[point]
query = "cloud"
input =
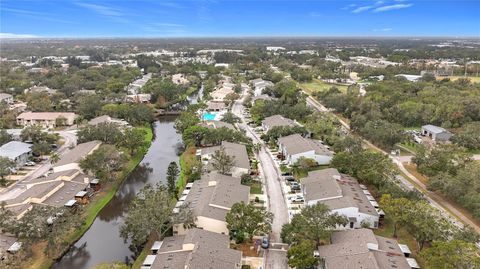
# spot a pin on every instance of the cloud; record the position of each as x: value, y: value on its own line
x: 34, y: 15
x: 12, y: 35
x: 102, y: 10
x: 383, y: 30
x: 392, y: 7
x: 349, y: 7
x: 362, y: 9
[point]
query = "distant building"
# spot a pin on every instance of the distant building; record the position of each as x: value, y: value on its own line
x: 6, y: 98
x: 342, y: 195
x: 276, y: 121
x: 197, y: 249
x: 412, y: 78
x: 179, y: 79
x: 72, y: 158
x: 361, y: 248
x: 216, y: 106
x: 215, y: 124
x: 210, y: 199
x: 237, y: 151
x: 222, y: 93
x: 107, y: 119
x: 45, y: 119
x: 295, y: 146
x: 41, y: 89
x: 17, y: 152
x: 138, y: 98
x: 436, y: 133
x: 274, y: 49
x: 259, y: 85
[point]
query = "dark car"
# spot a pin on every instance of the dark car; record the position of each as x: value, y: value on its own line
x: 286, y: 174
x: 265, y: 242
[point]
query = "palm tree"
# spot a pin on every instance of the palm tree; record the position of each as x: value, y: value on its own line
x: 54, y: 158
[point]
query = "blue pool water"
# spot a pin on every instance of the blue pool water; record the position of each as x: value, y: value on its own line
x: 208, y: 116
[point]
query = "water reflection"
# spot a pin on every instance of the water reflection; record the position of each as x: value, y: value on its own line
x: 102, y: 242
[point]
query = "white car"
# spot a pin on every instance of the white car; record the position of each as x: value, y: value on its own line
x: 30, y: 163
x: 297, y: 199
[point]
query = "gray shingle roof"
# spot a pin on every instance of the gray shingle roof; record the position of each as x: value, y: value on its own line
x: 434, y: 129
x: 13, y: 149
x: 277, y: 120
x: 360, y: 248
x: 214, y: 193
x: 296, y: 143
x: 78, y: 153
x: 238, y: 151
x: 211, y: 250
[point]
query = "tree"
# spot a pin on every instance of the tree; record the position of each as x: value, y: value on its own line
x: 245, y: 221
x: 300, y: 256
x: 194, y: 135
x: 172, y: 174
x: 397, y: 210
x: 133, y: 139
x: 89, y: 105
x: 427, y: 224
x: 104, y: 162
x: 107, y: 132
x: 469, y: 137
x: 148, y: 215
x: 54, y: 158
x: 41, y: 148
x: 60, y: 121
x: 314, y: 223
x: 222, y: 162
x: 442, y: 158
x: 454, y: 254
x: 185, y: 120
x: 6, y: 166
x: 4, y: 137
x: 231, y: 118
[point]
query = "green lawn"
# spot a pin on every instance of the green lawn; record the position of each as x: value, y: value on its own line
x: 317, y: 85
x: 255, y: 187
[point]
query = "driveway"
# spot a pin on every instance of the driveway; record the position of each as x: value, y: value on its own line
x: 276, y: 200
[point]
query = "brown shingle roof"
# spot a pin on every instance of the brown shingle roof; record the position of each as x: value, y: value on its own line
x: 78, y: 153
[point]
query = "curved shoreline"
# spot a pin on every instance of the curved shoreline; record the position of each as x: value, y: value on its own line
x: 102, y: 201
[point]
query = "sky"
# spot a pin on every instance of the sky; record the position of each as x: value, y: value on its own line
x: 232, y: 18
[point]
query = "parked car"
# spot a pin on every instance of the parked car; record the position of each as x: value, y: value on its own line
x: 294, y: 186
x: 30, y: 163
x: 286, y: 173
x: 297, y: 199
x: 289, y: 178
x: 265, y: 242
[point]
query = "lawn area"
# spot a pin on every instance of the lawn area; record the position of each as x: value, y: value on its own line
x: 412, y: 168
x: 408, y: 146
x: 317, y: 85
x: 453, y: 78
x: 187, y: 160
x: 255, y: 187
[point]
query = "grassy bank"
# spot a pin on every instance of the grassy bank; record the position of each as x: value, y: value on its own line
x: 40, y: 261
x: 317, y: 85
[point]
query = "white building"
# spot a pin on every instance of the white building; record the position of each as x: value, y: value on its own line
x: 45, y: 119
x: 343, y: 195
x: 259, y: 85
x: 6, y: 98
x: 296, y: 146
x: 17, y: 152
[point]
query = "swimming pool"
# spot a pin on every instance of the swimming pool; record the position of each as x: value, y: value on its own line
x: 209, y: 116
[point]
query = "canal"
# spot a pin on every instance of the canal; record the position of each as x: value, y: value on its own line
x: 102, y: 242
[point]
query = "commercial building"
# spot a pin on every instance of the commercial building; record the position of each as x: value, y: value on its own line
x: 436, y: 133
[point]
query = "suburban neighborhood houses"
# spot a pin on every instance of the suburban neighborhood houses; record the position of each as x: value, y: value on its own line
x: 261, y: 153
